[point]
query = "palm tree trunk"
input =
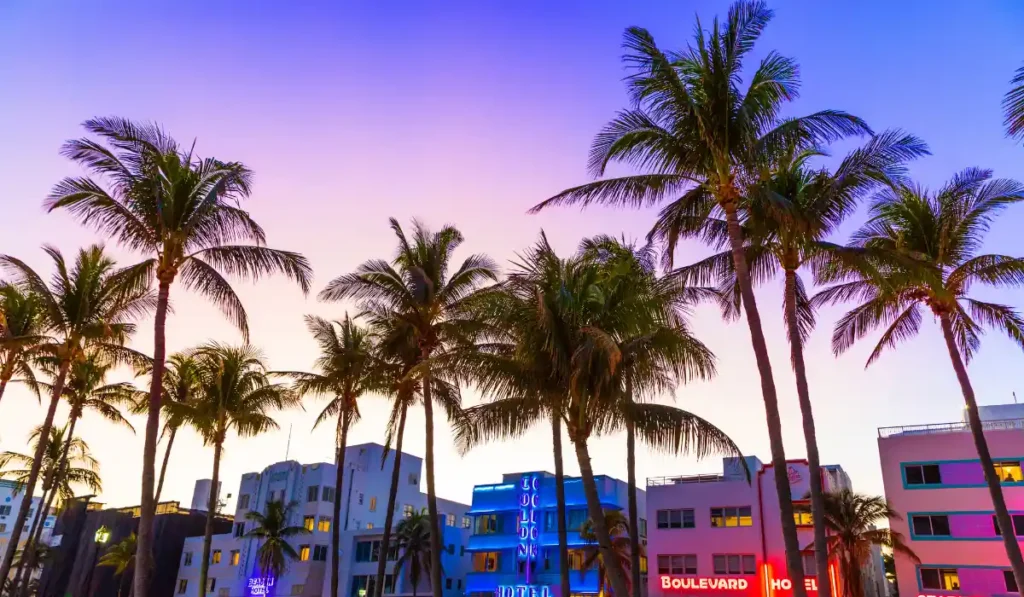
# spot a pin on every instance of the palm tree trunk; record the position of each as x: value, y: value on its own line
x: 389, y: 518
x: 33, y: 475
x: 810, y: 438
x: 435, y: 527
x: 771, y: 404
x: 339, y: 477
x: 981, y: 444
x: 563, y: 531
x: 634, y: 526
x: 211, y: 512
x: 616, y: 576
x: 32, y: 531
x: 163, y: 467
x: 144, y: 539
x: 5, y: 375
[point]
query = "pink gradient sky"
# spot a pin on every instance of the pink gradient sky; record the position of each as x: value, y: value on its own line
x: 470, y: 113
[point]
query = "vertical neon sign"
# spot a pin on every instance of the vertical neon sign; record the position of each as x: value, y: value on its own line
x: 528, y: 532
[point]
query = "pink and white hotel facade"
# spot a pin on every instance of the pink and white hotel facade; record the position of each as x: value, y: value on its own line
x: 720, y: 535
x: 933, y: 477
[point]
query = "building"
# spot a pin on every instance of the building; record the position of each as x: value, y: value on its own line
x: 364, y: 498
x: 715, y: 534
x: 933, y: 477
x: 510, y: 557
x: 11, y: 497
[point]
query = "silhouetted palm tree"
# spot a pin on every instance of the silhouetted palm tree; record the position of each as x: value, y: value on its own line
x: 414, y: 545
x: 274, y: 535
x: 121, y: 557
x: 20, y: 332
x: 622, y: 550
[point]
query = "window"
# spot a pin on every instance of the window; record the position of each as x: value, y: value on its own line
x: 449, y: 520
x: 923, y: 474
x: 412, y: 479
x: 215, y: 558
x: 324, y: 525
x: 810, y: 564
x: 734, y: 563
x: 467, y: 522
x: 369, y: 525
x: 211, y: 585
x: 303, y: 553
x: 360, y: 498
x: 223, y: 592
x: 328, y: 495
x: 3, y: 527
x: 363, y: 551
x: 182, y: 585
x: 297, y: 589
x: 731, y: 517
x: 485, y: 561
x: 802, y: 514
x: 643, y: 564
x: 462, y: 550
x: 458, y: 584
x: 188, y: 559
x: 308, y: 522
x: 676, y: 519
x: 373, y: 504
x: 1011, y: 582
x: 366, y: 584
x: 235, y: 555
x: 312, y: 492
x: 1018, y: 525
x: 577, y: 557
x: 5, y: 510
x: 1009, y: 471
x: 486, y: 524
x: 941, y: 579
x: 447, y: 583
x: 643, y: 527
x: 319, y: 553
x: 930, y: 526
x: 576, y: 518
x: 239, y: 529
x: 451, y: 549
x: 243, y: 502
x: 677, y: 564
x: 407, y: 511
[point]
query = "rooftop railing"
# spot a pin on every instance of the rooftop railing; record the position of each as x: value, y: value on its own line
x: 958, y: 427
x: 658, y: 481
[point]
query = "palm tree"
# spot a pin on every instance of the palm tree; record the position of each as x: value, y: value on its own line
x: 346, y: 372
x: 552, y: 311
x: 922, y: 251
x: 697, y: 138
x: 90, y: 304
x: 790, y: 214
x: 414, y: 548
x: 184, y: 213
x: 273, y: 532
x: 120, y: 556
x: 420, y: 289
x: 234, y: 394
x: 20, y: 323
x: 852, y: 518
x: 1013, y: 106
x: 622, y: 549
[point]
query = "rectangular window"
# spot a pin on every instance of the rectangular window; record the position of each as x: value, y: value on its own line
x: 303, y: 553
x: 312, y: 492
x: 940, y: 579
x: 239, y: 529
x: 462, y: 550
x: 360, y: 498
x: 731, y: 517
x: 451, y: 549
x: 308, y: 522
x: 577, y: 558
x: 412, y: 479
x: 328, y: 495
x: 243, y: 502
x: 576, y: 518
x: 319, y: 553
x: 1009, y: 471
x: 373, y: 504
x: 407, y: 511
x: 487, y: 524
x: 447, y: 583
x: 211, y: 585
x: 363, y: 550
x: 235, y: 556
x: 810, y: 564
x: 458, y: 584
x: 5, y: 510
x: 188, y: 558
x: 485, y: 561
x: 1018, y: 525
x: 734, y: 563
x: 324, y: 524
x: 467, y: 522
x: 802, y: 514
x: 215, y: 557
x: 677, y: 564
x: 643, y: 527
x: 450, y: 520
x: 676, y: 519
x: 930, y: 525
x: 3, y: 527
x: 923, y: 474
x: 182, y: 585
x: 223, y: 592
x: 1011, y: 582
x: 298, y: 589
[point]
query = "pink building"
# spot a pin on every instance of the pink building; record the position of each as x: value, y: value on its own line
x: 933, y: 477
x: 721, y: 535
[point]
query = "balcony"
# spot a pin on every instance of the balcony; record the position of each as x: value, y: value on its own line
x: 682, y: 480
x: 958, y: 427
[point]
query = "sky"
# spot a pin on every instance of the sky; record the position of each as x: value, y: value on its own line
x: 469, y: 113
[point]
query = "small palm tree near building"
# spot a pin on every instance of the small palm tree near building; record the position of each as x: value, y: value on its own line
x: 274, y: 533
x: 414, y: 555
x: 121, y: 557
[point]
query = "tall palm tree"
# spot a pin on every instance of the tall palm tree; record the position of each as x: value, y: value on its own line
x: 1013, y: 106
x: 234, y: 394
x: 791, y: 212
x: 922, y: 251
x: 88, y: 305
x: 697, y: 138
x: 557, y: 309
x: 20, y: 331
x: 622, y: 549
x: 274, y: 534
x: 121, y: 557
x: 414, y: 548
x: 852, y: 518
x: 345, y: 373
x: 184, y: 213
x: 420, y: 289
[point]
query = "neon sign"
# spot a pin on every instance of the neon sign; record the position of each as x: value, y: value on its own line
x: 695, y: 582
x: 769, y: 583
x: 260, y: 585
x: 529, y: 500
x: 523, y: 591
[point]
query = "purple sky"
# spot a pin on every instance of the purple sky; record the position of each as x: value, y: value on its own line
x: 469, y: 113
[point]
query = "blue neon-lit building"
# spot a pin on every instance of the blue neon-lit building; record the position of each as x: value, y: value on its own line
x: 508, y: 555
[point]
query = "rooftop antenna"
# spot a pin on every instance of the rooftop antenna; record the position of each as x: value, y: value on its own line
x: 288, y: 446
x: 1014, y: 397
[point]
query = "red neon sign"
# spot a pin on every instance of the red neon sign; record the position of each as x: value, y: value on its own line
x: 770, y: 584
x: 702, y: 582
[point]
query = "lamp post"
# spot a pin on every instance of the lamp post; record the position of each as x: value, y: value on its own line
x: 99, y: 539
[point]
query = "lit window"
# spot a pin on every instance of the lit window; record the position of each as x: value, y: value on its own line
x: 467, y: 522
x: 182, y: 585
x: 234, y: 557
x: 930, y: 526
x: 211, y: 585
x: 486, y: 524
x: 3, y: 527
x: 940, y: 579
x: 369, y: 525
x: 1009, y: 471
x: 373, y: 504
x: 308, y: 523
x: 802, y: 514
x: 486, y: 561
x: 450, y: 520
x: 731, y: 517
x: 577, y: 557
x: 324, y: 524
x: 303, y: 553
x: 923, y: 474
x: 215, y: 558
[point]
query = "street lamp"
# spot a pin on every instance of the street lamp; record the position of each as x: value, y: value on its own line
x: 100, y: 539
